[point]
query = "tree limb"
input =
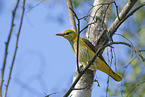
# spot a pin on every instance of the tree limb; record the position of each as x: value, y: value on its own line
x: 6, y: 48
x: 123, y: 13
x: 16, y: 47
x: 123, y: 19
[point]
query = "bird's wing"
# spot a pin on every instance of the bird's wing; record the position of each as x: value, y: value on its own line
x: 103, y: 66
x: 88, y: 43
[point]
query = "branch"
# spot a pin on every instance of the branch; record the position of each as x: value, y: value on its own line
x: 87, y: 26
x: 124, y: 38
x: 16, y: 47
x: 125, y: 18
x: 93, y: 59
x: 34, y: 6
x: 78, y: 20
x: 122, y: 14
x: 71, y: 16
x: 6, y: 49
x: 50, y: 94
x: 112, y: 31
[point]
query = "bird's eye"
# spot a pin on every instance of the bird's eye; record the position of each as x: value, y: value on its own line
x: 67, y: 33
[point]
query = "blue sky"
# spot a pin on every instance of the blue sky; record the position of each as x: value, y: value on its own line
x: 44, y: 62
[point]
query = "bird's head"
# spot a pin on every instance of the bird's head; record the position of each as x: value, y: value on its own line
x: 68, y: 34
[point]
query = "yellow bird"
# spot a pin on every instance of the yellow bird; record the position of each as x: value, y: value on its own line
x: 86, y: 52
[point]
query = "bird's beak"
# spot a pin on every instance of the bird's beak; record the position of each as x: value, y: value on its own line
x: 59, y: 34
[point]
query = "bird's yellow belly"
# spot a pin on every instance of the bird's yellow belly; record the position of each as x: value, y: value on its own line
x: 85, y: 55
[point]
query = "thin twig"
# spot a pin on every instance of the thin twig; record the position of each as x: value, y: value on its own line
x: 109, y: 62
x: 135, y: 50
x: 87, y: 26
x: 116, y: 24
x: 124, y: 38
x: 117, y: 10
x: 108, y: 4
x: 16, y: 47
x: 102, y: 20
x: 35, y: 6
x: 50, y: 94
x: 6, y: 48
x: 78, y: 20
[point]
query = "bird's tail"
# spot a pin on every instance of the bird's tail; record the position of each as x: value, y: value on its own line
x: 103, y: 66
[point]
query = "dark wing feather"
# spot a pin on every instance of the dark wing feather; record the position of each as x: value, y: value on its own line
x: 88, y: 43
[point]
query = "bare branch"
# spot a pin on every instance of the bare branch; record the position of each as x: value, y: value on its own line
x: 35, y: 6
x: 78, y: 20
x: 125, y: 18
x: 123, y: 13
x: 124, y: 38
x: 6, y: 48
x: 50, y: 94
x: 112, y: 31
x: 16, y: 47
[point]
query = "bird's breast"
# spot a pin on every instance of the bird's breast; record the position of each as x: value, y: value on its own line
x: 85, y: 54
